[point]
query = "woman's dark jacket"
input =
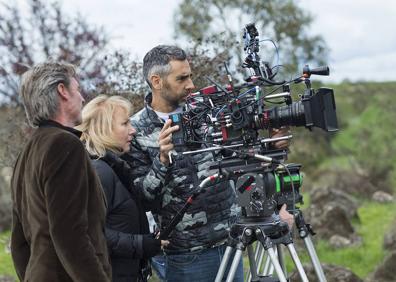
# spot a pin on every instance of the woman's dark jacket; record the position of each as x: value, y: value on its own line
x: 127, y: 231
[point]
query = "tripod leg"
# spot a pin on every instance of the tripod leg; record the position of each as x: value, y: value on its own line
x: 252, y: 262
x: 275, y: 263
x: 259, y: 256
x: 281, y: 258
x: 297, y: 262
x: 257, y: 251
x: 314, y: 259
x: 305, y: 231
x: 223, y: 265
x: 267, y: 244
x: 234, y: 265
x: 268, y: 268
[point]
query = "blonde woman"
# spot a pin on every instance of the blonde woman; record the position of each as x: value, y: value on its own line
x: 107, y: 133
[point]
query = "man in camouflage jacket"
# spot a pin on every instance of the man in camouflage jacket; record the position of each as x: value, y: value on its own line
x: 208, y: 219
x: 197, y: 243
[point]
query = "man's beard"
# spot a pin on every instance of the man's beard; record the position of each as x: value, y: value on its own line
x: 166, y: 94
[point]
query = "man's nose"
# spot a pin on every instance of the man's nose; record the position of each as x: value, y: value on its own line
x: 190, y: 86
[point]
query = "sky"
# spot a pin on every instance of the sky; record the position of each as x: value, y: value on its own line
x: 360, y: 33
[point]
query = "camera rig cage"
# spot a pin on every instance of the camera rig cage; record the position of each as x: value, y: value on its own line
x: 228, y: 119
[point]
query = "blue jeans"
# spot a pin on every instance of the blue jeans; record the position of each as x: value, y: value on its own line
x: 199, y: 266
x: 158, y: 264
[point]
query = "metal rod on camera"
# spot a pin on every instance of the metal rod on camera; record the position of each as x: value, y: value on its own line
x: 276, y: 139
x: 277, y: 95
x: 214, y: 148
x: 220, y: 147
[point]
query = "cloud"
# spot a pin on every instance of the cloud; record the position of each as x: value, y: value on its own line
x: 360, y: 34
x: 379, y: 67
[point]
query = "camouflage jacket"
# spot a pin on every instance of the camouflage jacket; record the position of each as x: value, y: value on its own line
x: 209, y: 218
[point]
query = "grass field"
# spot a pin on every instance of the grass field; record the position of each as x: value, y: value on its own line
x: 6, y: 266
x: 375, y: 221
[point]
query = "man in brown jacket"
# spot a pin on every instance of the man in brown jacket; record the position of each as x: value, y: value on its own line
x: 58, y: 204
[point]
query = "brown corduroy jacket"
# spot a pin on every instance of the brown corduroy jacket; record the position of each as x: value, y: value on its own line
x: 58, y: 210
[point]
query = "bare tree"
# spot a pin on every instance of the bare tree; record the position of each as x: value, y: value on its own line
x: 210, y: 23
x: 124, y: 77
x: 46, y: 32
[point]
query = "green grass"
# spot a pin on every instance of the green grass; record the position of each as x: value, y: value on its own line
x: 376, y: 220
x: 6, y: 265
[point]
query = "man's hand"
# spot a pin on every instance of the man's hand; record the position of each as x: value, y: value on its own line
x: 280, y: 132
x: 164, y: 243
x: 286, y: 216
x: 165, y: 141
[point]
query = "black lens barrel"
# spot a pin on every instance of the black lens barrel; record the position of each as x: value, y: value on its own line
x: 290, y: 115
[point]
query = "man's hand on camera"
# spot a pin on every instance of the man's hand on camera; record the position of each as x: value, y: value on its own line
x: 280, y: 132
x: 286, y: 216
x: 165, y: 141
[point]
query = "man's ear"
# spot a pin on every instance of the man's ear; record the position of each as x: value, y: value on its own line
x: 62, y: 91
x: 156, y: 82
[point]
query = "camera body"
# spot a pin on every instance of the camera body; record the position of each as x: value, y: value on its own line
x: 214, y: 117
x: 229, y: 119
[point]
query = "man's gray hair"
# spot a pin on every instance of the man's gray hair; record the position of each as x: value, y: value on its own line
x: 39, y: 89
x: 156, y: 61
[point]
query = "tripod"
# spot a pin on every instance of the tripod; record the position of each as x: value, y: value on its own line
x: 244, y: 233
x: 257, y: 224
x: 305, y: 231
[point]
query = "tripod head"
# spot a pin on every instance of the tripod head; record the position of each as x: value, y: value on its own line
x: 262, y: 182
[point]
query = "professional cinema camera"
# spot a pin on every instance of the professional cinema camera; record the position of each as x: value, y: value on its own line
x: 231, y: 118
x: 228, y: 121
